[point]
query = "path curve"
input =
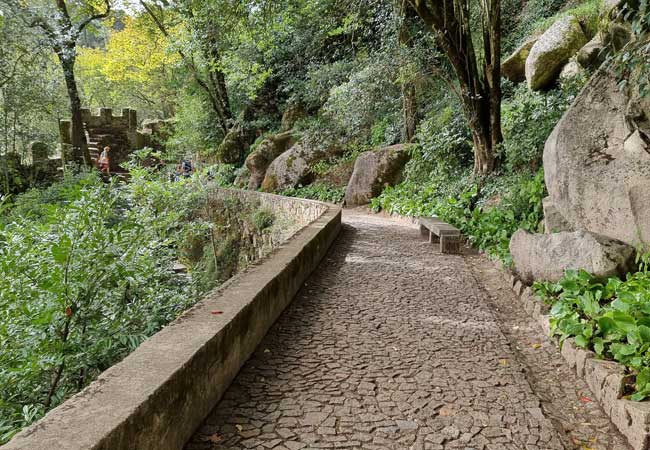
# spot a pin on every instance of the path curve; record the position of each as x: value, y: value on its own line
x: 391, y: 345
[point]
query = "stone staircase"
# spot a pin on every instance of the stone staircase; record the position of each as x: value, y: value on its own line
x: 98, y: 138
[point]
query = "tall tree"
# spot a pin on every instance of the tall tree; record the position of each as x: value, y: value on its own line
x: 478, y: 74
x: 62, y: 24
x: 203, y: 19
x: 409, y: 93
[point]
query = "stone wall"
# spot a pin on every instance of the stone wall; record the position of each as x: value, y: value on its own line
x: 303, y: 211
x: 120, y: 132
x: 159, y: 395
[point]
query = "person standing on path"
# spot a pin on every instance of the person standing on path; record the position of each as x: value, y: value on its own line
x: 105, y: 161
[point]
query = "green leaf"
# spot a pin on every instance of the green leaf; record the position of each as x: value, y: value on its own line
x: 61, y: 250
x: 599, y: 346
x: 581, y: 341
x: 624, y: 321
x: 644, y: 333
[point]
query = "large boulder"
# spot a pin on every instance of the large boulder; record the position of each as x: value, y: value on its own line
x: 514, y: 67
x: 545, y: 257
x: 232, y: 148
x: 375, y: 170
x: 293, y: 167
x: 552, y: 51
x: 592, y: 54
x: 597, y: 162
x: 571, y: 70
x: 264, y: 154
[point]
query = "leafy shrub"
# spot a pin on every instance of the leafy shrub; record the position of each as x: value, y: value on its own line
x: 263, y: 219
x: 84, y: 280
x: 488, y: 227
x: 317, y: 191
x: 445, y: 145
x: 528, y: 119
x: 633, y: 61
x: 78, y: 291
x: 610, y: 317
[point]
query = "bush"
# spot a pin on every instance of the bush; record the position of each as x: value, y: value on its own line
x: 263, y: 219
x: 610, y: 317
x: 85, y: 279
x: 445, y: 145
x: 317, y: 191
x: 528, y: 119
x: 488, y: 227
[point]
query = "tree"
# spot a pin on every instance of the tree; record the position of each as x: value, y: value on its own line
x: 134, y: 69
x: 62, y: 24
x: 409, y: 93
x: 203, y: 19
x: 478, y: 75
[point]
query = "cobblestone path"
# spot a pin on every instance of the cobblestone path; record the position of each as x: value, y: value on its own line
x: 390, y: 345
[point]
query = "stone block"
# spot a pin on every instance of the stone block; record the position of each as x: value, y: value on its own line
x: 597, y: 372
x: 568, y: 352
x: 582, y: 356
x: 449, y: 244
x: 633, y: 420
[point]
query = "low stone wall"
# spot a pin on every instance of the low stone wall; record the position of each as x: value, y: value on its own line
x: 305, y: 211
x: 157, y: 396
x: 604, y: 378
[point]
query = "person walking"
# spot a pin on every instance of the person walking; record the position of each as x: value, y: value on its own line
x: 105, y: 161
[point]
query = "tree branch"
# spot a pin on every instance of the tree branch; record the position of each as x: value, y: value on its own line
x: 97, y: 16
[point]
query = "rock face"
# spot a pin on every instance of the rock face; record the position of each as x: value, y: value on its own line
x: 592, y: 55
x: 292, y: 114
x: 545, y: 257
x: 292, y: 167
x: 514, y: 67
x: 597, y: 163
x: 554, y: 222
x: 373, y: 171
x: 260, y: 159
x: 552, y: 51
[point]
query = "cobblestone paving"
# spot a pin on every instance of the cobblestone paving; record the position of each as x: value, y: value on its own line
x: 389, y: 345
x: 566, y: 399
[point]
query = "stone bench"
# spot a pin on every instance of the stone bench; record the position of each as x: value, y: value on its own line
x: 441, y: 232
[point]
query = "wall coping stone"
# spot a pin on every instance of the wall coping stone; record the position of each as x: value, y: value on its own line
x: 160, y: 394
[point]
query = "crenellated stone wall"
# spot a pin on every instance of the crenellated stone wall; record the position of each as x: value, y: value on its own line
x: 120, y: 132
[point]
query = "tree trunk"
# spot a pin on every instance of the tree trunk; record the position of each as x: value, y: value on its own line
x: 409, y: 93
x: 79, y: 143
x: 216, y: 78
x: 410, y: 110
x: 479, y: 79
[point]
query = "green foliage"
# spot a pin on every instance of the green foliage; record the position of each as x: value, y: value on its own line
x: 445, y: 145
x: 528, y: 119
x: 488, y: 227
x: 633, y: 61
x: 87, y: 273
x: 263, y: 219
x: 317, y: 191
x: 610, y: 317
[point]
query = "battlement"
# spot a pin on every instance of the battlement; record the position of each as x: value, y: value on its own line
x: 104, y: 118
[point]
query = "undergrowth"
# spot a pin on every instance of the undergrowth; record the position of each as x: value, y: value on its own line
x: 610, y: 317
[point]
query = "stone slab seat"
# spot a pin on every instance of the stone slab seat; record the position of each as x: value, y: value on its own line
x: 441, y: 232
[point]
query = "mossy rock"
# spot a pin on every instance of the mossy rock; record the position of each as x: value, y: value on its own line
x: 552, y: 51
x: 232, y: 148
